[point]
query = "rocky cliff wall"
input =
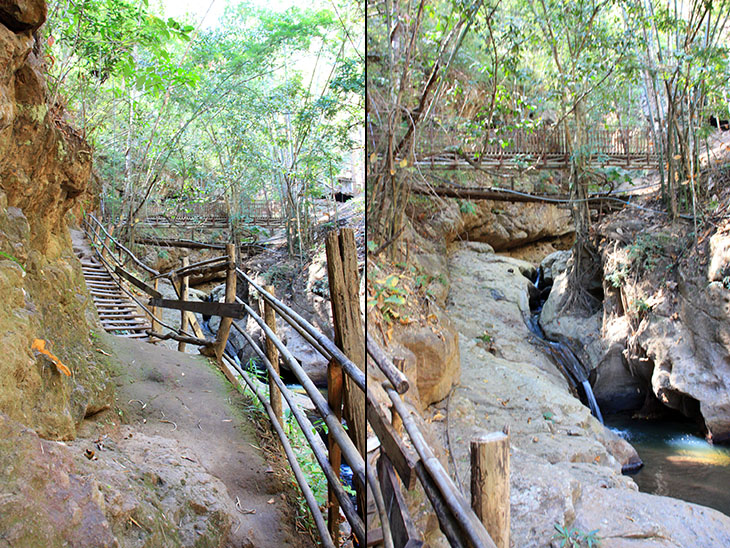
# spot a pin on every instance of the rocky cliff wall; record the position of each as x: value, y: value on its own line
x: 45, y: 166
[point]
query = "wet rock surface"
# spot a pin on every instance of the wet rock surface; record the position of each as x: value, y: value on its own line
x: 566, y: 467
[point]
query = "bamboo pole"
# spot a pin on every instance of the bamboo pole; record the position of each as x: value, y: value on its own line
x: 352, y: 370
x: 350, y: 452
x: 183, y: 297
x: 291, y: 457
x: 490, y: 484
x: 468, y: 522
x: 225, y: 325
x: 273, y: 356
x: 316, y: 444
x: 153, y: 309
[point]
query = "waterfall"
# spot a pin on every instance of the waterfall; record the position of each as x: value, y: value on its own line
x: 592, y: 400
x: 562, y: 355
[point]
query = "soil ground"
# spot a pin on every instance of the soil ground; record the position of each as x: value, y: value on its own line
x: 184, y: 397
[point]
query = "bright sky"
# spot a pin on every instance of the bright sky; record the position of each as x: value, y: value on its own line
x: 198, y: 8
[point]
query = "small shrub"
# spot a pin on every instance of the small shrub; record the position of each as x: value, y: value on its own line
x: 467, y: 207
x: 617, y: 278
x: 646, y: 252
x: 575, y: 538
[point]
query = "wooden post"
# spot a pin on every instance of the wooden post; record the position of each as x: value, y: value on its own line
x: 349, y: 333
x: 334, y: 400
x: 400, y: 364
x: 184, y: 315
x: 225, y: 326
x: 153, y: 309
x: 490, y: 484
x: 273, y: 354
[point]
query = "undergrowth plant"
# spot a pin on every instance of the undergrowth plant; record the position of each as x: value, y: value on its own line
x: 570, y: 537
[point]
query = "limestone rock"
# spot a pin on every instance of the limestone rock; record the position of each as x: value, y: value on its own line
x: 22, y: 15
x: 53, y: 495
x: 313, y: 363
x: 504, y: 225
x: 566, y: 467
x: 437, y: 358
x: 598, y: 340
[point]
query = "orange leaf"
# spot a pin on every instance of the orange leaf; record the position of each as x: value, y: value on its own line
x: 40, y: 346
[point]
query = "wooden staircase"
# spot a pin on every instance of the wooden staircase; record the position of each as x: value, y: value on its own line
x: 118, y: 313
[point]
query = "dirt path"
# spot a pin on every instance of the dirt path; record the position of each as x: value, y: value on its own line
x: 207, y: 418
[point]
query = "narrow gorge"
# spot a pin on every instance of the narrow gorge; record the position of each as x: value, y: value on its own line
x: 499, y: 354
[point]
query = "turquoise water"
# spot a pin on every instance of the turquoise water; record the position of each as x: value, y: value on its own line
x: 678, y: 462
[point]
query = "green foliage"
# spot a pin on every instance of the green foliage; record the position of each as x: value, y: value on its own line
x: 388, y: 297
x: 617, y: 277
x: 15, y: 260
x: 641, y: 306
x: 646, y: 252
x: 467, y: 207
x: 575, y: 538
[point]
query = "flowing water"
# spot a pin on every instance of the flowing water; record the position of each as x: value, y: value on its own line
x: 678, y: 462
x: 562, y: 355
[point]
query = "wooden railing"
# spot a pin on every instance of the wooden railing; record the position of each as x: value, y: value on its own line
x: 118, y: 260
x: 347, y: 391
x: 539, y: 146
x: 486, y: 522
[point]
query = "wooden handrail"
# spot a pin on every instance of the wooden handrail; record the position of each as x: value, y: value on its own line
x: 127, y: 251
x: 352, y: 370
x: 318, y: 341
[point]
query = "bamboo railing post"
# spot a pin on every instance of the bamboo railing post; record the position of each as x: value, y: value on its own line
x: 395, y: 417
x: 490, y: 484
x: 349, y: 333
x: 153, y: 310
x: 184, y: 315
x: 225, y: 325
x: 334, y: 400
x: 273, y: 355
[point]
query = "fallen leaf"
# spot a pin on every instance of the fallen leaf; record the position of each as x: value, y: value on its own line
x: 40, y: 346
x: 270, y: 501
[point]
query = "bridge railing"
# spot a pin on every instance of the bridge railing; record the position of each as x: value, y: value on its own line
x: 539, y: 140
x: 116, y: 259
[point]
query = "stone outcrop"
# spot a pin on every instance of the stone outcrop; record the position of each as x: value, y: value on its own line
x: 44, y: 169
x: 138, y: 491
x: 599, y: 340
x: 503, y: 225
x: 566, y: 467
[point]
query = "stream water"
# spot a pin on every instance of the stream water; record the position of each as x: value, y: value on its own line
x: 562, y: 355
x: 678, y: 462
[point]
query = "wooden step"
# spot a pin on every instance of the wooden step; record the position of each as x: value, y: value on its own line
x: 124, y: 321
x: 126, y: 327
x: 124, y: 315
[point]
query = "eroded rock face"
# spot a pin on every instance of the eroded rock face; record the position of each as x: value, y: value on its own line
x: 565, y: 467
x: 138, y: 491
x: 44, y: 170
x: 22, y: 15
x: 599, y: 340
x: 504, y: 225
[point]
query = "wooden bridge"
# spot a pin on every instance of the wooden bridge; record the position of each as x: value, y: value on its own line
x: 540, y: 147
